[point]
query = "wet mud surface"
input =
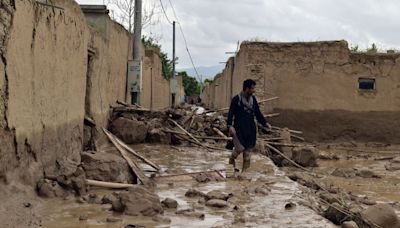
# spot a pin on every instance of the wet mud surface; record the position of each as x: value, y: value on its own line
x: 259, y: 196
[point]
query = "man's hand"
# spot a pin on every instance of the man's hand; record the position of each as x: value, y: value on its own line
x: 268, y: 126
x: 232, y: 131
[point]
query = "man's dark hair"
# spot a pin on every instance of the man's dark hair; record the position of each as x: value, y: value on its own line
x: 248, y: 83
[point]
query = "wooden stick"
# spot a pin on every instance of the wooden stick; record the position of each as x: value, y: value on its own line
x: 213, y: 137
x: 290, y: 160
x: 297, y: 137
x: 108, y: 184
x: 272, y: 115
x: 134, y: 166
x: 284, y: 144
x: 183, y: 129
x: 173, y: 132
x: 220, y: 133
x: 129, y: 149
x: 291, y: 131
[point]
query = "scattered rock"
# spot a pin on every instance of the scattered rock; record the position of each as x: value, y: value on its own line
x: 27, y: 204
x: 305, y: 156
x: 169, y: 203
x: 216, y: 203
x: 394, y: 165
x: 262, y: 190
x: 191, y: 213
x: 113, y: 219
x: 334, y: 215
x: 202, y: 178
x: 201, y: 201
x: 92, y: 198
x: 140, y: 201
x: 194, y: 193
x: 349, y: 224
x: 48, y: 188
x: 109, y: 198
x: 382, y: 215
x: 129, y: 130
x: 156, y: 135
x: 105, y: 166
x: 366, y: 173
x: 344, y: 172
x: 216, y: 194
x: 83, y: 217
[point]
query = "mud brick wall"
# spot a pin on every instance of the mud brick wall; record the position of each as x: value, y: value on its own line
x: 317, y: 83
x: 43, y: 78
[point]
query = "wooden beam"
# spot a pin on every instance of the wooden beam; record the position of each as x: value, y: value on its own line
x: 105, y: 184
x: 134, y: 166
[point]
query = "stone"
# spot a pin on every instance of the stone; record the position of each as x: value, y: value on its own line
x: 305, y: 156
x: 328, y: 197
x: 217, y: 194
x: 393, y: 165
x: 129, y: 130
x: 334, y: 215
x: 49, y: 189
x: 109, y: 198
x: 156, y: 135
x: 169, y: 203
x: 382, y: 215
x: 83, y: 217
x: 344, y: 172
x: 191, y: 213
x: 349, y: 224
x: 367, y: 173
x: 113, y: 219
x: 262, y: 190
x: 104, y: 166
x: 216, y: 203
x: 140, y: 201
x: 194, y: 193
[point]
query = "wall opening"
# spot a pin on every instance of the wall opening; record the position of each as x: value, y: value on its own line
x: 367, y: 84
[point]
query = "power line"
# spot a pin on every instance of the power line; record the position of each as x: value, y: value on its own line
x: 165, y: 13
x: 185, y: 41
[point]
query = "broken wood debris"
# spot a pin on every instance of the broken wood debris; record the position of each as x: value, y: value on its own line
x: 132, y: 164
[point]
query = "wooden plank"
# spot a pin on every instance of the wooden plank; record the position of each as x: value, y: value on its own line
x: 283, y: 155
x: 220, y: 133
x: 129, y: 149
x: 105, y: 184
x: 134, y: 166
x: 190, y: 135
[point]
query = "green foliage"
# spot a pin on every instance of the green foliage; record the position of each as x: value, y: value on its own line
x: 149, y: 42
x: 208, y: 81
x: 373, y: 49
x: 190, y: 84
x: 355, y: 49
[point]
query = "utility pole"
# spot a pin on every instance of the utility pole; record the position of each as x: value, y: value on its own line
x: 135, y: 66
x: 173, y: 83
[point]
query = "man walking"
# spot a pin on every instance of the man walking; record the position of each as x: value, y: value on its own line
x: 243, y: 109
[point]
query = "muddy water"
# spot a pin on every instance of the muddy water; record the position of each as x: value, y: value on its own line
x: 383, y: 189
x: 253, y: 209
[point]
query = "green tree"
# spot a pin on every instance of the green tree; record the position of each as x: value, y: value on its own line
x: 373, y: 49
x: 208, y: 81
x: 149, y: 42
x: 190, y: 84
x: 355, y: 49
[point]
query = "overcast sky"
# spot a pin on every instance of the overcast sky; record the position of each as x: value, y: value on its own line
x: 213, y: 27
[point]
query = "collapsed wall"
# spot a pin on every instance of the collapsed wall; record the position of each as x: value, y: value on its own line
x: 320, y: 88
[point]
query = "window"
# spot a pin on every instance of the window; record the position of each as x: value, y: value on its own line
x: 366, y: 83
